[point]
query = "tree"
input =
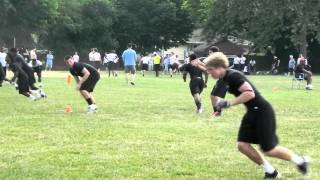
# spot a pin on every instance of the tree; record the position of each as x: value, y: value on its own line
x: 20, y: 19
x: 284, y: 22
x: 150, y: 23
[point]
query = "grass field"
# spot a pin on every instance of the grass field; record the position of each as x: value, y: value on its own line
x: 149, y: 131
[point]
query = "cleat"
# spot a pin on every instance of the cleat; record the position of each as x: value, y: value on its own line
x: 274, y: 175
x: 304, y: 167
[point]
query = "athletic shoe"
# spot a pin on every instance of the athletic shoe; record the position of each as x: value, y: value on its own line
x: 92, y: 108
x: 132, y: 83
x: 309, y: 87
x: 273, y: 175
x: 304, y: 167
x: 199, y: 111
x: 32, y: 98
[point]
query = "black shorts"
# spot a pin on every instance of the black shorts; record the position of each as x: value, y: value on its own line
x: 157, y: 67
x: 291, y: 70
x: 37, y: 69
x: 196, y: 85
x: 258, y: 126
x: 90, y: 83
x: 145, y: 67
x: 110, y: 65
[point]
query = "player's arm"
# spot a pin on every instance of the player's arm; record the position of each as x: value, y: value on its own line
x: 246, y: 95
x: 76, y: 78
x: 86, y: 75
x: 184, y: 76
x: 205, y: 79
x: 199, y: 64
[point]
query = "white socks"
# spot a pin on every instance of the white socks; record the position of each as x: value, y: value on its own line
x: 268, y: 168
x: 298, y: 160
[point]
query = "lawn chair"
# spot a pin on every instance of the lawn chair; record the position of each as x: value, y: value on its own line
x: 297, y: 79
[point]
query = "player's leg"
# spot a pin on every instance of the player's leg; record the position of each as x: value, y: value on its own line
x: 248, y: 135
x: 109, y: 69
x: 133, y: 75
x: 196, y: 87
x: 266, y: 129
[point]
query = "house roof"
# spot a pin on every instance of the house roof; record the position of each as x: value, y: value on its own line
x: 225, y: 46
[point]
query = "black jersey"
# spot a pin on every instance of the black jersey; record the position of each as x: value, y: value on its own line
x: 231, y: 82
x: 192, y: 70
x: 77, y: 69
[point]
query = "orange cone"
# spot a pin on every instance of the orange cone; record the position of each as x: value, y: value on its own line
x: 68, y: 109
x: 69, y: 79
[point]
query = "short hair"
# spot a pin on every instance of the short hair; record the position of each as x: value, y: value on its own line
x: 13, y: 50
x: 214, y: 49
x: 192, y: 57
x: 66, y: 58
x: 129, y: 45
x: 216, y: 60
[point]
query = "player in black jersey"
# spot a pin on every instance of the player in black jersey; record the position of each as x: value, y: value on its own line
x: 24, y: 76
x: 259, y: 123
x: 196, y: 81
x: 86, y: 77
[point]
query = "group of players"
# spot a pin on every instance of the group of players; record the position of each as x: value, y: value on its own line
x: 258, y: 125
x: 23, y: 78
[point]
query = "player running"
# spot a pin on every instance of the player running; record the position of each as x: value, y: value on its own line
x: 86, y: 77
x: 196, y: 81
x: 259, y: 123
x: 24, y: 75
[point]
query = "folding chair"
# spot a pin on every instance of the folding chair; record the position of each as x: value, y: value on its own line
x: 297, y: 79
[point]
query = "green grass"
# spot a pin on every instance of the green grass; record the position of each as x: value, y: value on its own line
x: 145, y: 132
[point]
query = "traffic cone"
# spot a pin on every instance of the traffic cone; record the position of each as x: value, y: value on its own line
x: 68, y: 109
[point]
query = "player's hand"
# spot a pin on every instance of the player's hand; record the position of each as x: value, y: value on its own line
x: 222, y: 104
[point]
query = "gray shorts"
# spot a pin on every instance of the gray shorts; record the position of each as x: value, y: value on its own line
x: 130, y: 69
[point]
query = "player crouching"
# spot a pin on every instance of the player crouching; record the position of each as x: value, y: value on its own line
x: 86, y: 77
x: 24, y: 76
x: 259, y: 123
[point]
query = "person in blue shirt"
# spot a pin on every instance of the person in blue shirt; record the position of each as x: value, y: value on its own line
x: 129, y: 58
x: 49, y: 62
x: 291, y: 65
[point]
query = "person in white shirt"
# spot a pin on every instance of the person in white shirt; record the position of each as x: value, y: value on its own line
x: 145, y: 61
x: 236, y: 63
x: 110, y: 61
x: 242, y: 62
x: 33, y: 54
x: 3, y: 66
x: 252, y: 65
x: 172, y: 61
x: 36, y: 66
x: 91, y: 58
x: 76, y: 57
x: 96, y: 59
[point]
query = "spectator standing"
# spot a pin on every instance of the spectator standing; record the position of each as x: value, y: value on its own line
x: 252, y: 65
x: 236, y: 63
x: 110, y: 60
x: 49, y: 61
x: 242, y: 62
x: 291, y: 65
x: 157, y: 63
x: 76, y: 57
